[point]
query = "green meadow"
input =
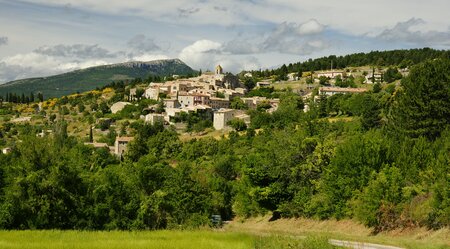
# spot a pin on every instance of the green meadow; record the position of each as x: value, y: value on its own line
x: 198, y: 239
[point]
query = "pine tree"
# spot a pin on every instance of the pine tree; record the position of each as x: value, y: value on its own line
x: 422, y: 106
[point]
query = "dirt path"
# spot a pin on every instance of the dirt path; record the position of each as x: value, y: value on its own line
x: 360, y: 245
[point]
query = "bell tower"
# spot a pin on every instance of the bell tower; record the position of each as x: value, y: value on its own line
x: 219, y: 70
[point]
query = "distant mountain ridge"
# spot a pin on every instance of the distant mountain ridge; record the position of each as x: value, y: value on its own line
x: 90, y: 78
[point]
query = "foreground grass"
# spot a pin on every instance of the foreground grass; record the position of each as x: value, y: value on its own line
x: 154, y: 239
x: 120, y: 239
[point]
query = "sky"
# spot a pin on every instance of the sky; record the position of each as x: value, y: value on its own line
x: 46, y: 37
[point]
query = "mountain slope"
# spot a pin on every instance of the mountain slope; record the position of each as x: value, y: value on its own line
x: 90, y: 78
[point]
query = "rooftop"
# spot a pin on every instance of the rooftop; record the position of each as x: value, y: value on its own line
x: 124, y: 139
x: 224, y: 110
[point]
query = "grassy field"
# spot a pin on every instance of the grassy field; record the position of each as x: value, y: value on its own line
x: 122, y: 240
x: 153, y: 239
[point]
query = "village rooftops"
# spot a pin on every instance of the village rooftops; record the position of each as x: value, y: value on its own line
x: 224, y: 110
x: 197, y: 107
x: 219, y: 99
x: 124, y: 139
x: 333, y: 71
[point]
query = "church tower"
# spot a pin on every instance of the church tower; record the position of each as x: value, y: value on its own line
x: 219, y: 70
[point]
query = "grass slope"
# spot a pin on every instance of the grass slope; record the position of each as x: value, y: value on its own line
x: 411, y: 238
x: 90, y: 78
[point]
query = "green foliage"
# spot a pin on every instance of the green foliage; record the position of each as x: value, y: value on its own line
x: 262, y: 91
x: 370, y: 114
x: 249, y: 83
x: 238, y: 103
x: 376, y: 87
x: 378, y: 204
x: 237, y: 124
x: 391, y: 75
x: 422, y: 107
x: 323, y: 80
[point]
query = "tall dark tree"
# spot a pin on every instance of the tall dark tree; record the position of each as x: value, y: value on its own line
x: 370, y: 117
x: 91, y: 135
x: 422, y: 106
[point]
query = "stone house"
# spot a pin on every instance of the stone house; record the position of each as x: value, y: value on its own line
x: 223, y: 116
x: 218, y: 103
x: 151, y: 93
x: 154, y: 118
x: 120, y: 145
x: 171, y: 103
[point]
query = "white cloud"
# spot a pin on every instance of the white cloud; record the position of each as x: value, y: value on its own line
x: 81, y: 51
x: 12, y: 72
x: 141, y: 44
x: 37, y: 65
x: 201, y: 54
x: 206, y: 54
x: 404, y: 32
x: 353, y: 16
x: 289, y: 38
x: 310, y: 27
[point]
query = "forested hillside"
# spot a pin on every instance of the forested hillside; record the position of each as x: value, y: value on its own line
x: 94, y: 77
x: 385, y: 164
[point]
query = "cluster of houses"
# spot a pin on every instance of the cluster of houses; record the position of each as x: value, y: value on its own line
x: 210, y: 94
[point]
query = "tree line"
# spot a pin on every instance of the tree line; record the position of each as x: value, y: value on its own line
x: 22, y: 98
x: 395, y: 58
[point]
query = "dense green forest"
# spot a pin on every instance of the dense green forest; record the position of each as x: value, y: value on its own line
x: 387, y: 165
x: 397, y: 58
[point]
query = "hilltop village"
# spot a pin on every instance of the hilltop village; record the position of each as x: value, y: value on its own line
x: 212, y: 100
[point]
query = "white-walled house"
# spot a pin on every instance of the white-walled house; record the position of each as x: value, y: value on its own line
x: 334, y: 90
x: 151, y: 93
x: 154, y: 118
x: 330, y: 74
x: 223, y: 116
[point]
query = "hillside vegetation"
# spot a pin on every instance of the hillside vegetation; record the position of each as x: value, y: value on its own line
x: 379, y: 157
x: 94, y: 77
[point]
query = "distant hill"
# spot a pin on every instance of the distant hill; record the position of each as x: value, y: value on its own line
x: 93, y: 77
